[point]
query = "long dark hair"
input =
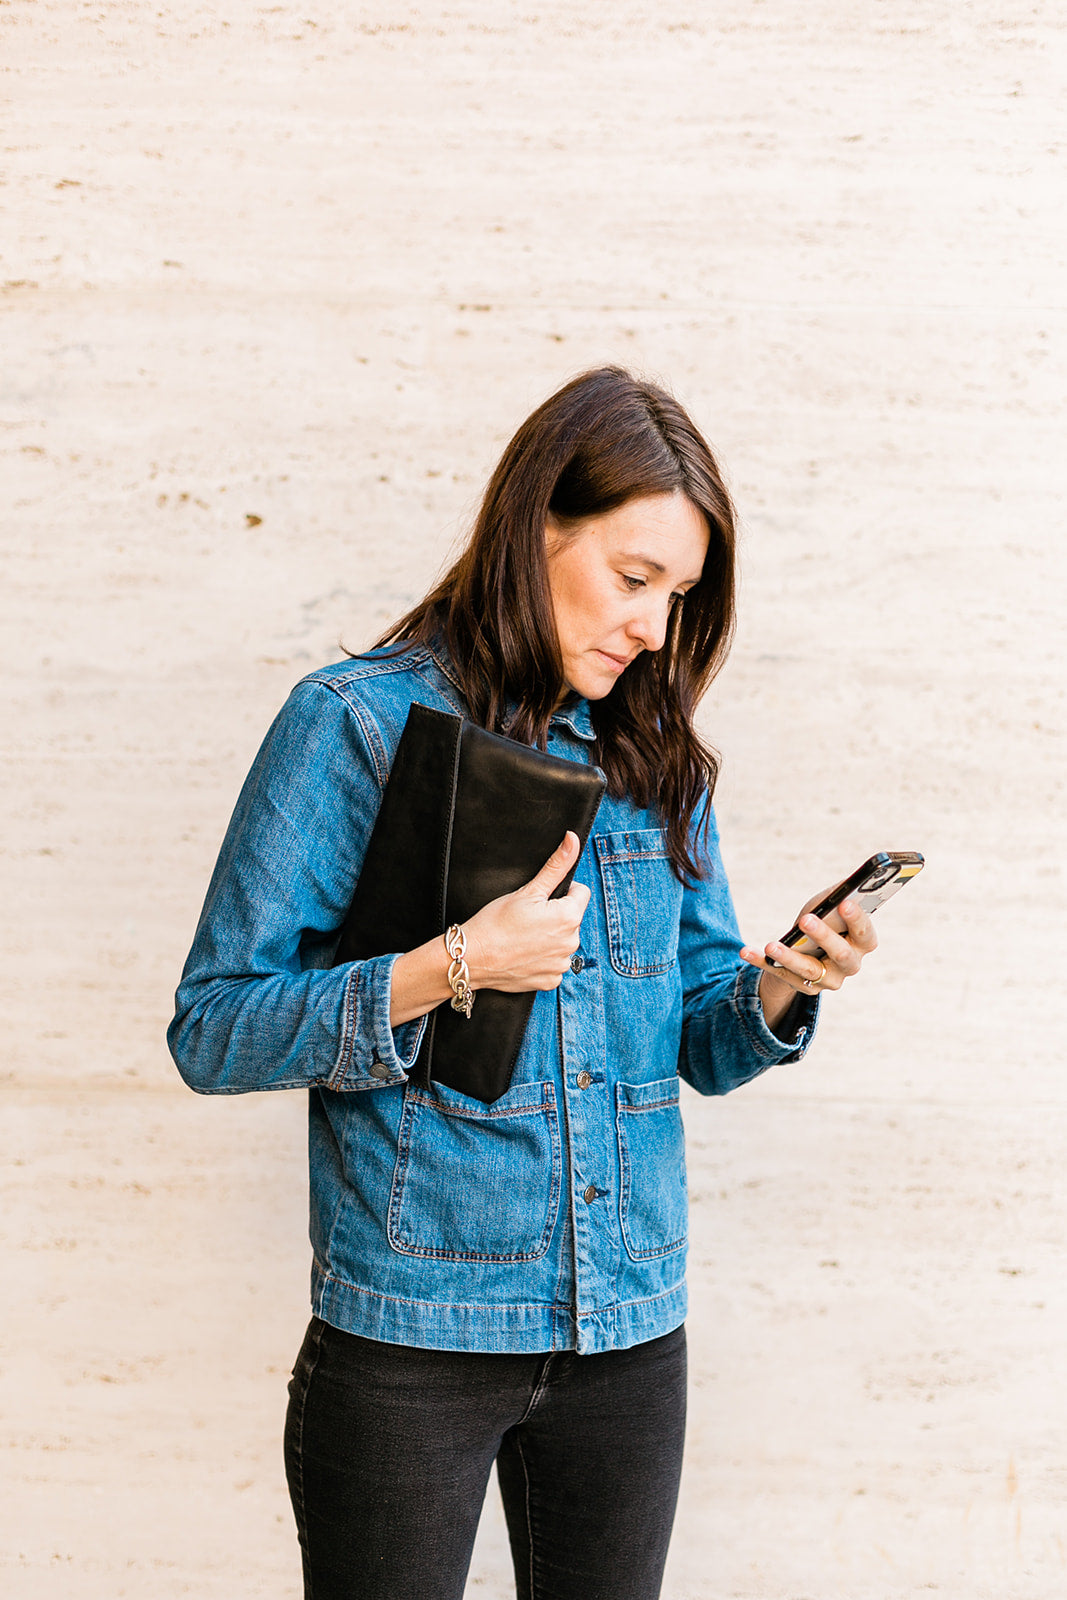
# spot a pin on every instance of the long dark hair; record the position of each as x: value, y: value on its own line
x: 603, y: 439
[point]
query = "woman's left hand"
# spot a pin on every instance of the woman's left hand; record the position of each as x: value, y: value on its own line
x: 799, y: 974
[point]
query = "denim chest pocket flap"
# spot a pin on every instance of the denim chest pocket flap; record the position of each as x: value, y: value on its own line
x: 476, y: 1182
x: 642, y: 901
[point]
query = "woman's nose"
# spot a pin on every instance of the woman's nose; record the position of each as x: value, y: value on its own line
x: 650, y: 627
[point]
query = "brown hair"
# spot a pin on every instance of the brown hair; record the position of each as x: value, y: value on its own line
x: 603, y: 439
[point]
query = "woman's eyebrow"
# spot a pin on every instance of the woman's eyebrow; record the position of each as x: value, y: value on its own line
x: 654, y: 565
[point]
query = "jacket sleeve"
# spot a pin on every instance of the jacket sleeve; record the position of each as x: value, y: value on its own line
x: 259, y: 1006
x: 725, y: 1040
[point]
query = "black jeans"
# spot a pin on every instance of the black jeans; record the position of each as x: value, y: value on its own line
x: 388, y: 1451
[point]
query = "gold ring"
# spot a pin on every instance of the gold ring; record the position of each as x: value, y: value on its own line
x: 811, y: 983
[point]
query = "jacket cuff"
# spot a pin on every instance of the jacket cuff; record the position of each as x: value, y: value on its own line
x: 801, y: 1018
x: 372, y: 1054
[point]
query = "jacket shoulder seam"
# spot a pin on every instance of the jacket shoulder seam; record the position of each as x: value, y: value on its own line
x: 370, y: 668
x: 368, y: 728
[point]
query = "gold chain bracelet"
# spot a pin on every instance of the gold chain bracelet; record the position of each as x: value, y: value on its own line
x: 459, y: 974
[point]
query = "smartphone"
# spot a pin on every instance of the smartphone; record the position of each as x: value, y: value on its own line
x: 870, y: 886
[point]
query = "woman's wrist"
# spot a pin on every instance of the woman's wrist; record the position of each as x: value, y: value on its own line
x: 459, y: 974
x: 777, y: 997
x: 419, y: 982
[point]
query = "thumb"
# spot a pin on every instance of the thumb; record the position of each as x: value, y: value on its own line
x: 555, y: 869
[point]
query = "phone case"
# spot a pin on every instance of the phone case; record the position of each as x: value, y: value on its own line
x: 879, y: 878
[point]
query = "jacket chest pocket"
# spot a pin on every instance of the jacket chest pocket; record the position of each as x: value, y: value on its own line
x: 474, y: 1182
x: 642, y: 901
x: 653, y: 1199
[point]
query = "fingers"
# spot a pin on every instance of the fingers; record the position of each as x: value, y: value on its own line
x: 555, y: 869
x: 526, y: 940
x: 848, y: 950
x: 860, y: 926
x: 843, y: 953
x: 577, y: 898
x: 811, y: 971
x: 836, y: 949
x: 800, y: 972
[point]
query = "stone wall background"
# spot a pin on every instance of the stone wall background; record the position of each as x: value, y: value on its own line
x: 278, y: 282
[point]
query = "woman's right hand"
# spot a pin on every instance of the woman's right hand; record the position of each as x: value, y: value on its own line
x: 519, y: 942
x: 525, y: 940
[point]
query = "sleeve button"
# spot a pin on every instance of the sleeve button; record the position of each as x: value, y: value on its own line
x: 378, y: 1069
x: 577, y: 963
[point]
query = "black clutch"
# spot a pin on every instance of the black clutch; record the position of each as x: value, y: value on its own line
x: 466, y: 816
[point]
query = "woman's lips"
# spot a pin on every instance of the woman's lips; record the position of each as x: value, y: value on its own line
x: 616, y: 663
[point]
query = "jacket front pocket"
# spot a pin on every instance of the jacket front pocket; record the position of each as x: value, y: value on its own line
x: 642, y: 901
x: 653, y: 1202
x: 476, y: 1182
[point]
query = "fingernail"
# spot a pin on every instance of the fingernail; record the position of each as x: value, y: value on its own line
x: 848, y: 905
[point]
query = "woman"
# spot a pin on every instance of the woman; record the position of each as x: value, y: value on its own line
x: 505, y: 1282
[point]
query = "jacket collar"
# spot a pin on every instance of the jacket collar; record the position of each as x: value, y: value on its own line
x: 575, y: 714
x: 572, y: 713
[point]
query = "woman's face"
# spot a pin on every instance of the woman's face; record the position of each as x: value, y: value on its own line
x: 614, y: 579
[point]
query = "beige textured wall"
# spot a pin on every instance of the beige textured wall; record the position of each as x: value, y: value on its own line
x: 278, y: 283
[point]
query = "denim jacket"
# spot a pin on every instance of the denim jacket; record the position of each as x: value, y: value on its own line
x: 554, y: 1218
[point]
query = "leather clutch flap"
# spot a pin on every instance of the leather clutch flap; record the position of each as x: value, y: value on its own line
x: 466, y: 816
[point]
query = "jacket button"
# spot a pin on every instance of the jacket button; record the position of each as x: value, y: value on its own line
x: 584, y: 1079
x: 577, y: 963
x: 589, y: 1195
x: 378, y: 1069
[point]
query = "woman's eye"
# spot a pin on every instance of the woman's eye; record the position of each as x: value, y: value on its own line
x: 633, y: 584
x: 676, y: 599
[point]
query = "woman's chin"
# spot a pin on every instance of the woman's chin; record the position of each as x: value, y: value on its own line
x: 595, y: 685
x: 592, y: 675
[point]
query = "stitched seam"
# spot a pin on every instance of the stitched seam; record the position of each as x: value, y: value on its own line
x: 348, y: 1032
x: 476, y: 1305
x: 622, y: 959
x: 300, y: 1458
x: 371, y: 736
x: 435, y: 688
x: 569, y: 1244
x: 546, y: 1103
x: 606, y: 851
x: 428, y: 1252
x: 403, y: 1156
x: 441, y: 1305
x: 654, y: 1252
x: 374, y: 744
x: 529, y: 1518
x: 371, y: 669
x: 644, y: 972
x: 745, y: 1011
x: 632, y: 855
x: 538, y: 1391
x: 410, y: 1247
x: 435, y: 658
